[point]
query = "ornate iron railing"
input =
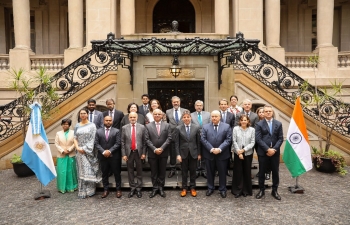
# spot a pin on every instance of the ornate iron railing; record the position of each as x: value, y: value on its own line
x: 242, y: 54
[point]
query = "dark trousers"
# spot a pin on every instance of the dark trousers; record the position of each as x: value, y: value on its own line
x: 158, y: 167
x: 113, y: 165
x: 172, y: 155
x: 189, y: 164
x: 201, y: 164
x: 134, y: 159
x: 241, y: 177
x: 274, y: 162
x: 221, y: 166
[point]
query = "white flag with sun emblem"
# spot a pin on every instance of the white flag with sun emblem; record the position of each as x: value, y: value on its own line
x: 297, y: 154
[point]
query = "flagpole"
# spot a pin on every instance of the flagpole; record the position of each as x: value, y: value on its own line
x: 297, y: 189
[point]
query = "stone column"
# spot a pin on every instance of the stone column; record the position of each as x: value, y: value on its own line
x: 19, y: 56
x: 273, y: 24
x: 222, y: 16
x: 326, y: 51
x: 76, y: 31
x: 2, y: 31
x: 127, y: 17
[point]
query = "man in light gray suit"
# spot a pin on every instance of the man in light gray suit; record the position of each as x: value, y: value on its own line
x: 158, y: 139
x: 133, y: 151
x: 94, y: 116
x: 200, y: 118
x: 253, y: 117
x: 173, y: 116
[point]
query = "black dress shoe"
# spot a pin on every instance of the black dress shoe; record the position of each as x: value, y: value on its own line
x: 244, y: 195
x: 260, y: 195
x: 267, y: 176
x: 209, y: 192
x: 276, y: 195
x: 138, y: 194
x: 162, y: 193
x: 238, y: 195
x: 223, y: 194
x: 228, y: 174
x: 131, y: 194
x: 171, y: 173
x: 153, y: 193
x: 204, y: 175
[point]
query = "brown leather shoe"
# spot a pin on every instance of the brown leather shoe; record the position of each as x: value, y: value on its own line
x: 193, y: 192
x: 119, y: 194
x: 105, y: 194
x: 183, y: 193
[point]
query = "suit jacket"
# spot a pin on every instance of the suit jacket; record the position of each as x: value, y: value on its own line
x: 118, y: 116
x: 142, y: 111
x: 98, y: 119
x: 140, y: 139
x: 253, y: 117
x: 112, y: 144
x: 230, y: 119
x: 153, y: 140
x: 171, y: 119
x: 222, y: 139
x: 205, y: 118
x: 265, y: 140
x: 61, y: 143
x: 185, y: 144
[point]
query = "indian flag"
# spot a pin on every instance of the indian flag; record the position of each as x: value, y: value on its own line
x: 297, y: 155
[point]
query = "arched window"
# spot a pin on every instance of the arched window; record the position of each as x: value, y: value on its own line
x: 166, y: 11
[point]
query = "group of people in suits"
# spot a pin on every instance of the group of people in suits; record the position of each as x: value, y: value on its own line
x: 203, y: 143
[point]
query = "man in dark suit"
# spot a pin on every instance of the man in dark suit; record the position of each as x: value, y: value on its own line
x: 94, y: 115
x: 188, y: 151
x: 144, y: 108
x: 173, y: 116
x: 216, y: 139
x: 133, y: 151
x: 269, y: 138
x: 107, y: 143
x: 253, y: 117
x: 158, y: 139
x: 200, y: 118
x: 229, y: 118
x: 116, y: 115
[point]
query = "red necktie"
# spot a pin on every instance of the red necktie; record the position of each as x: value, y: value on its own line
x: 133, y: 138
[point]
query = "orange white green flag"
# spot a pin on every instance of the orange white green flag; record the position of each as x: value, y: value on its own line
x: 297, y: 155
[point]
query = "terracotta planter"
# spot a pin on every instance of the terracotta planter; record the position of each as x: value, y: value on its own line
x: 22, y: 170
x: 326, y: 166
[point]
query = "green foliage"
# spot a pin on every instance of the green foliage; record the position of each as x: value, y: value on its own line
x: 16, y: 159
x: 337, y: 159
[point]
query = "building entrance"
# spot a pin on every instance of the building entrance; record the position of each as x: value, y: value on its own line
x: 188, y: 91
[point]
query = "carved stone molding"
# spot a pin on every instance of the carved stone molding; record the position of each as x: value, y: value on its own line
x: 185, y: 73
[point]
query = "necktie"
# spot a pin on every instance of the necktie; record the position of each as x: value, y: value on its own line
x: 176, y: 116
x: 270, y: 126
x: 223, y: 117
x: 133, y: 138
x: 90, y: 117
x: 216, y: 129
x: 188, y: 131
x: 200, y: 119
x: 107, y: 133
x: 158, y: 128
x: 111, y: 114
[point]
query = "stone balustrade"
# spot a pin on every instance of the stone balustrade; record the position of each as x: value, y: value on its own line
x: 4, y: 62
x: 50, y: 62
x: 343, y: 59
x: 298, y: 60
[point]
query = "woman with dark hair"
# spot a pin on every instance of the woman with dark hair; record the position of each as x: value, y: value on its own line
x: 243, y: 141
x: 154, y: 105
x: 87, y: 163
x: 132, y: 107
x: 66, y: 164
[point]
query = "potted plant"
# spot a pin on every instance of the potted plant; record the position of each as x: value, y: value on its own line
x: 19, y: 167
x: 328, y: 105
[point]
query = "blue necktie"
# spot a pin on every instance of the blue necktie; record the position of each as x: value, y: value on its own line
x: 200, y: 119
x: 176, y: 116
x: 270, y: 126
x: 90, y: 119
x: 188, y: 131
x: 216, y: 129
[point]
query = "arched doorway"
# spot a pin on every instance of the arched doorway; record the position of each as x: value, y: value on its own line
x: 166, y: 11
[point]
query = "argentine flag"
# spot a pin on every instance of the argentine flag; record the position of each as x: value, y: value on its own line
x: 297, y: 155
x: 36, y: 150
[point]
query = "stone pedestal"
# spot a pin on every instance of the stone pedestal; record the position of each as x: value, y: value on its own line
x: 20, y: 58
x: 328, y: 65
x: 277, y: 53
x: 72, y: 54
